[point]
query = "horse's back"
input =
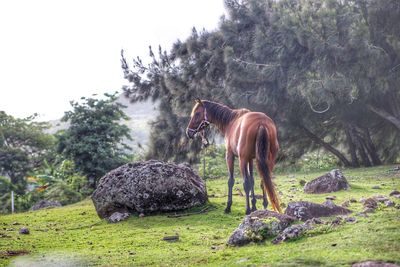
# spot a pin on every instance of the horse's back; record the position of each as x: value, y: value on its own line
x: 242, y: 136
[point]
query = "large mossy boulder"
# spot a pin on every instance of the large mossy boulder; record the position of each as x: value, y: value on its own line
x: 148, y: 187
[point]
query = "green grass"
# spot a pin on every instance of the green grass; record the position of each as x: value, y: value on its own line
x: 75, y: 233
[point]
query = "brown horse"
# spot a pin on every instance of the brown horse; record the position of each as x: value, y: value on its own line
x: 248, y: 135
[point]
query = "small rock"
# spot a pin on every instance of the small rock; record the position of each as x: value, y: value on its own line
x: 376, y: 187
x: 330, y: 198
x: 350, y: 219
x: 380, y: 198
x: 24, y: 231
x: 353, y: 200
x: 141, y: 215
x: 330, y: 182
x: 337, y: 221
x: 395, y: 169
x: 15, y: 223
x: 302, y: 182
x: 370, y: 203
x: 394, y: 193
x: 172, y: 238
x: 389, y: 203
x: 117, y: 217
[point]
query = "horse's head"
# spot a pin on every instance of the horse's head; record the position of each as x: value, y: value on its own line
x: 198, y: 119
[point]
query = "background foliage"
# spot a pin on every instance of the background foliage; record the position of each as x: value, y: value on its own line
x: 326, y: 71
x: 94, y: 139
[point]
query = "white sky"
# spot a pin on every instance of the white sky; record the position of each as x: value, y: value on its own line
x: 52, y: 51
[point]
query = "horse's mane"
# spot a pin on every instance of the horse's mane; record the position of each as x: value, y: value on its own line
x: 222, y: 115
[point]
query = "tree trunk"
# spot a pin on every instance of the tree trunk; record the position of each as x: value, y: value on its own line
x: 385, y: 115
x: 352, y: 147
x: 363, y: 153
x: 369, y: 145
x: 327, y: 146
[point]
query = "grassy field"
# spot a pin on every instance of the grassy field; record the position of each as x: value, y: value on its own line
x: 74, y: 234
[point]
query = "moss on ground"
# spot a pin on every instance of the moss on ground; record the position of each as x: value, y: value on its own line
x: 76, y: 233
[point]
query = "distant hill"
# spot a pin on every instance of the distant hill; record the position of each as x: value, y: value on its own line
x: 140, y: 115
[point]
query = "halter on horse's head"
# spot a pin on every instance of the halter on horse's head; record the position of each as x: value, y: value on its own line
x: 198, y: 122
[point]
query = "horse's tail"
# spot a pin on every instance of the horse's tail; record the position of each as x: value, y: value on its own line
x: 262, y: 151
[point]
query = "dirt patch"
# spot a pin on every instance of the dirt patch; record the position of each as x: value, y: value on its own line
x: 11, y: 253
x: 2, y: 235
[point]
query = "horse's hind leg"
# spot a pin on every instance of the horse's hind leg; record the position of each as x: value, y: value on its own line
x: 246, y: 182
x: 251, y: 176
x: 230, y: 159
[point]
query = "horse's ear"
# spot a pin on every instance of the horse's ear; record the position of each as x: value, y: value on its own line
x: 198, y: 100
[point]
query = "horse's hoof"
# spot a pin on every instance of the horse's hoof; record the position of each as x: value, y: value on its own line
x: 253, y: 209
x: 248, y: 212
x: 227, y: 210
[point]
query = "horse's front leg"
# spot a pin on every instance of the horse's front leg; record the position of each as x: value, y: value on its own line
x: 251, y: 178
x: 246, y: 182
x: 230, y: 160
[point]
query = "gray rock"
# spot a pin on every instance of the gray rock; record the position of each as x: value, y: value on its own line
x: 350, y: 219
x: 380, y: 198
x: 353, y: 200
x: 24, y: 231
x: 292, y: 232
x: 117, y: 217
x: 147, y: 187
x: 395, y: 169
x: 374, y: 264
x: 45, y: 204
x: 330, y: 182
x: 258, y: 226
x: 395, y: 193
x: 370, y: 203
x: 389, y: 203
x: 337, y: 221
x: 304, y: 210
